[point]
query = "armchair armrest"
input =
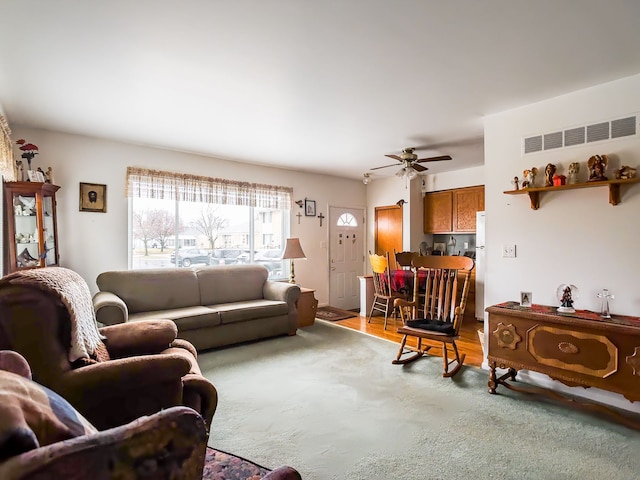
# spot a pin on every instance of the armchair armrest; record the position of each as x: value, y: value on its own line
x: 282, y: 291
x: 283, y: 473
x: 139, y: 338
x: 110, y: 309
x: 170, y: 444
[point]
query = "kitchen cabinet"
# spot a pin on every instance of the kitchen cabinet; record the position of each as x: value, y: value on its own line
x: 31, y: 227
x: 453, y: 211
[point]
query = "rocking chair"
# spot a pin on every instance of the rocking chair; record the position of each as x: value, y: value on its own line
x: 439, y: 317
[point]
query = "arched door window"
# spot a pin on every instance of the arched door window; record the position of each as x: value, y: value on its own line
x: 347, y: 220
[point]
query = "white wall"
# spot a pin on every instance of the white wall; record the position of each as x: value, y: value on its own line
x: 91, y: 243
x: 576, y: 236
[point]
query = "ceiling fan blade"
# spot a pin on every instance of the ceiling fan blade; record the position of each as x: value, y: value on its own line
x: 434, y: 159
x: 384, y: 166
x: 419, y: 168
x: 395, y: 157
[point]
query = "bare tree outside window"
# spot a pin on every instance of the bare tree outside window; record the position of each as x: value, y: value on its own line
x: 209, y: 223
x: 151, y: 226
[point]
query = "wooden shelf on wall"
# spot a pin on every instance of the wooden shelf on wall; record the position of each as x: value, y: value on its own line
x: 614, y: 190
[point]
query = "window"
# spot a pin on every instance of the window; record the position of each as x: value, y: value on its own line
x: 220, y: 221
x: 347, y: 220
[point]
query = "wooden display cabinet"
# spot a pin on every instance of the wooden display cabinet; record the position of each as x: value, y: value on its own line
x: 31, y: 227
x: 579, y: 349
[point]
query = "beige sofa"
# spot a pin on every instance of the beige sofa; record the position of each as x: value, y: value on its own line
x: 212, y: 306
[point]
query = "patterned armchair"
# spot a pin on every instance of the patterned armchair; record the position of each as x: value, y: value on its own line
x: 111, y: 375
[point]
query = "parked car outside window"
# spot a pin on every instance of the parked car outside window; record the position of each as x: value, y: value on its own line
x: 272, y: 259
x: 189, y: 256
x: 226, y: 256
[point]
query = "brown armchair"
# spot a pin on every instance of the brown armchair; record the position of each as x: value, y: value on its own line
x: 111, y: 375
x: 43, y: 437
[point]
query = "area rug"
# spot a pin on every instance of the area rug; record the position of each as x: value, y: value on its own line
x: 328, y: 402
x: 333, y: 314
x: 219, y: 465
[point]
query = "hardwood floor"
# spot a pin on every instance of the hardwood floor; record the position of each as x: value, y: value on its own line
x: 468, y: 343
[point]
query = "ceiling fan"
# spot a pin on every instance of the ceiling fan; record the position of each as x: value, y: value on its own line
x: 410, y: 160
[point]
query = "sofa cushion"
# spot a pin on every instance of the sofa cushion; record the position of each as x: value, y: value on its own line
x: 188, y: 318
x: 33, y: 416
x: 231, y: 283
x: 152, y: 289
x: 250, y: 310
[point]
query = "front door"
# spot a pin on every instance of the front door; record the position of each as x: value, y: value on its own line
x: 346, y: 256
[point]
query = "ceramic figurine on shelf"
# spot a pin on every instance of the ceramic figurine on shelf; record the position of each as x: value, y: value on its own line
x: 549, y: 172
x: 574, y: 168
x: 516, y: 183
x: 597, y: 166
x: 624, y: 172
x: 529, y: 177
x: 48, y: 175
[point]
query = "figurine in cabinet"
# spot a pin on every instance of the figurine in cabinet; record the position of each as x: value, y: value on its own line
x: 597, y: 166
x: 549, y: 172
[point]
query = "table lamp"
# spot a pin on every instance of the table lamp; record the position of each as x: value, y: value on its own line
x: 291, y: 251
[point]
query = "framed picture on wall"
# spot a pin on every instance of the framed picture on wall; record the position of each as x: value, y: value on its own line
x: 93, y: 197
x: 309, y: 208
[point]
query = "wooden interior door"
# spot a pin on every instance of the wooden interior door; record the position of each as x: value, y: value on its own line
x: 388, y: 231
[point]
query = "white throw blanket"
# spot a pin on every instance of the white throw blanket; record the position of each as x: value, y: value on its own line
x: 74, y: 293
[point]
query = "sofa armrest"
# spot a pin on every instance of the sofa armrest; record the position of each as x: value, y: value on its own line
x: 110, y: 309
x: 166, y: 443
x: 282, y: 291
x: 139, y: 338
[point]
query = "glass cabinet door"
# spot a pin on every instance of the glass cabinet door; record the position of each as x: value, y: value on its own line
x: 32, y: 236
x: 49, y: 248
x: 27, y: 231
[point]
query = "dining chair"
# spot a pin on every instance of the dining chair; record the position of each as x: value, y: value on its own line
x: 438, y: 316
x: 404, y: 259
x: 383, y: 294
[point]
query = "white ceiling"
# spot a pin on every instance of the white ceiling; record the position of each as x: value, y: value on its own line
x: 326, y: 86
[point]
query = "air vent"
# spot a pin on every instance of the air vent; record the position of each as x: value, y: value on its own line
x: 574, y: 136
x: 596, y: 132
x: 623, y: 127
x: 533, y: 144
x: 553, y: 140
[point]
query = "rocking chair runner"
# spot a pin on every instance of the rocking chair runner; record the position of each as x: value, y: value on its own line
x: 440, y: 315
x: 383, y: 296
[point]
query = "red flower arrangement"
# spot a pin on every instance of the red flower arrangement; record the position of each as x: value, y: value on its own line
x: 29, y: 150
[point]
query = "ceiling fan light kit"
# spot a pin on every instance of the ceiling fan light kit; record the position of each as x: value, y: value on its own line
x: 367, y: 179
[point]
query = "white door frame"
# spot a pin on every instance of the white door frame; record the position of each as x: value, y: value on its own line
x: 362, y: 233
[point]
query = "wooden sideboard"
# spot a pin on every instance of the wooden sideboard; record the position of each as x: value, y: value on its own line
x: 578, y: 349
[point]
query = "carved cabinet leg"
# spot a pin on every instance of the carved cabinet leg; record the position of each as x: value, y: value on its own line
x: 492, y: 378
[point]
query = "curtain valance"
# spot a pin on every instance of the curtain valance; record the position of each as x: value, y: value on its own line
x: 7, y: 165
x: 146, y: 183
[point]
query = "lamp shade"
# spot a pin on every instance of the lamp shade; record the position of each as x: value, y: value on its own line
x: 293, y: 249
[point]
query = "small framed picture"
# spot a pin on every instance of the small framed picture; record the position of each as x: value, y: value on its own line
x: 35, y: 176
x: 93, y: 197
x: 309, y: 208
x: 525, y: 299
